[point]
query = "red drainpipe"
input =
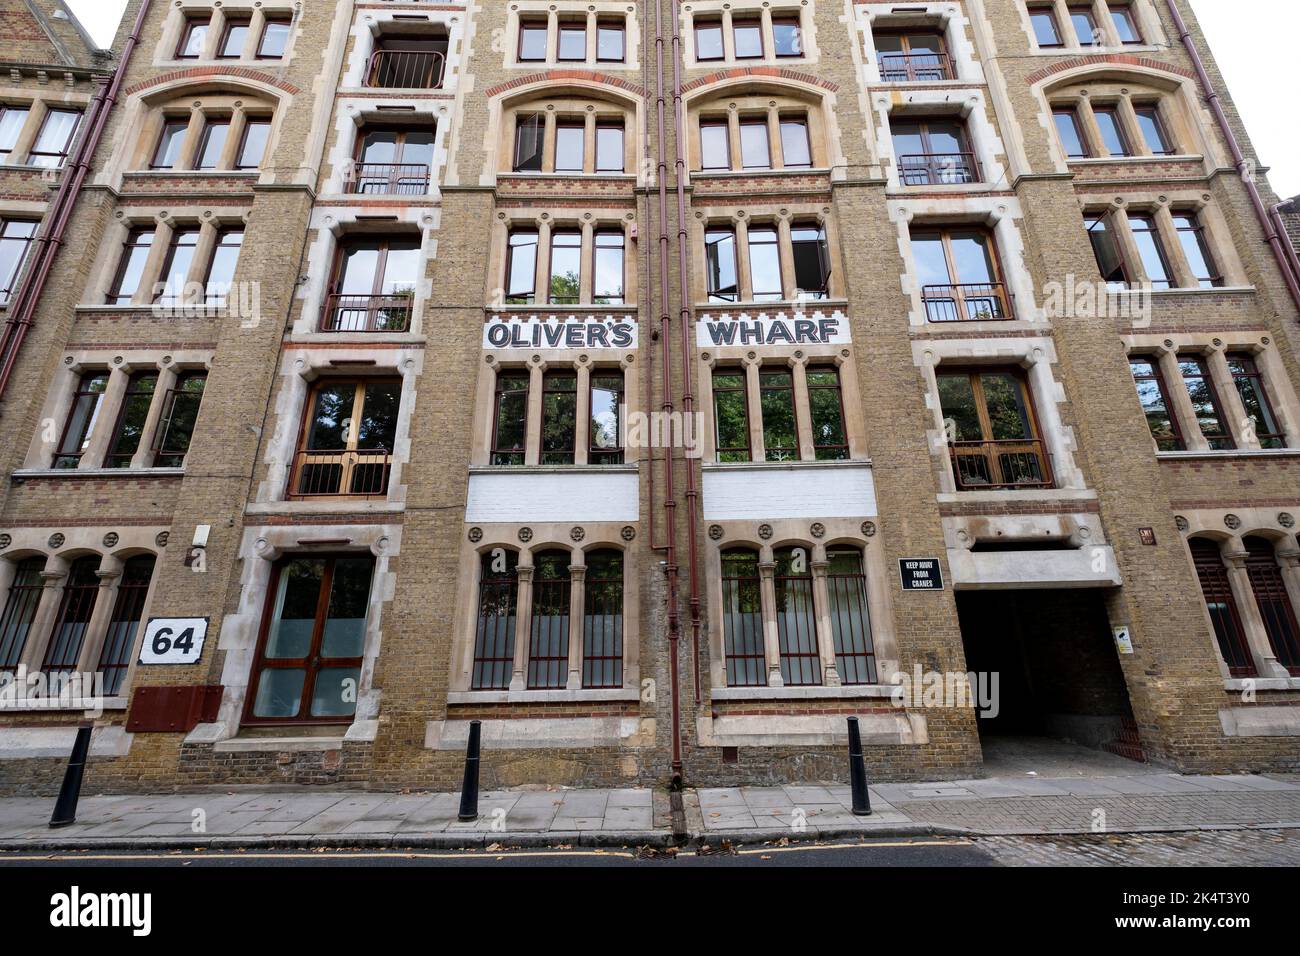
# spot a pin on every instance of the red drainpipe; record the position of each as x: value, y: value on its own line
x: 665, y: 322
x: 1275, y: 213
x: 1281, y: 250
x: 60, y: 212
x: 684, y: 327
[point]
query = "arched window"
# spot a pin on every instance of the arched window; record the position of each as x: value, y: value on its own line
x: 119, y: 642
x: 494, y: 642
x: 602, y: 620
x: 548, y: 650
x: 846, y: 587
x: 742, y: 619
x: 20, y: 611
x: 1275, y: 608
x: 1222, y: 606
x: 80, y: 590
x: 796, y: 622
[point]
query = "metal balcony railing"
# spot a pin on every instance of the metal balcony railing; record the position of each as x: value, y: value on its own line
x: 938, y: 169
x: 340, y: 473
x: 406, y: 69
x: 389, y: 179
x: 985, y: 465
x: 966, y: 302
x: 367, y: 313
x: 915, y: 67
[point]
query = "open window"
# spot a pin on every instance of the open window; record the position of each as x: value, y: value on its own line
x: 992, y: 432
x: 346, y: 445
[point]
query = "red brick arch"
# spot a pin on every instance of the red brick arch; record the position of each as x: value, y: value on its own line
x: 761, y: 72
x: 1107, y: 59
x: 561, y: 76
x: 207, y: 73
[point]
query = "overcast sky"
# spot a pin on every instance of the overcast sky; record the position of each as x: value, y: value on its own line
x: 1252, y: 39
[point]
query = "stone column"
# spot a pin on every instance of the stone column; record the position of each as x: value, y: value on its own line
x: 771, y: 641
x: 822, y: 604
x: 523, y: 627
x: 577, y: 604
x: 1266, y: 663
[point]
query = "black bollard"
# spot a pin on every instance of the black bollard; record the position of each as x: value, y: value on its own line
x: 858, y: 772
x: 469, y: 788
x: 65, y: 809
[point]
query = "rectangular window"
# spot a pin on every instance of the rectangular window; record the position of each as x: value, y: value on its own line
x: 566, y: 268
x: 12, y: 121
x: 275, y: 38
x: 1205, y: 402
x: 993, y: 439
x: 212, y: 144
x: 610, y: 155
x: 570, y: 144
x: 180, y: 413
x: 221, y: 269
x: 959, y: 276
x: 559, y: 417
x: 742, y: 619
x: 510, y: 418
x: 530, y: 132
x: 812, y: 269
x: 548, y: 632
x: 1125, y: 25
x: 731, y: 415
x: 168, y: 152
x: 1191, y: 237
x: 253, y: 147
x: 233, y: 39
x: 87, y: 401
x: 119, y: 641
x: 1112, y: 133
x: 708, y: 40
x: 765, y: 264
x: 1153, y: 130
x: 1254, y: 399
x: 1106, y: 250
x: 131, y: 419
x: 605, y: 437
x: 720, y: 265
x: 910, y: 57
x: 1085, y: 26
x: 715, y: 145
x: 796, y: 627
x: 1156, y: 406
x: 180, y: 259
x: 130, y: 270
x: 748, y: 38
x: 313, y: 638
x: 610, y: 41
x: 194, y: 36
x: 16, y: 236
x: 532, y: 41
x: 602, y: 620
x: 20, y: 611
x: 1046, y: 32
x: 1222, y: 606
x: 787, y: 36
x: 1069, y: 133
x: 608, y: 274
x: 846, y: 588
x: 776, y: 402
x: 55, y: 139
x: 77, y: 607
x: 494, y: 637
x: 573, y: 42
x: 373, y: 286
x: 755, y: 149
x: 521, y: 266
x: 795, y: 152
x: 348, y: 437
x: 1152, y: 250
x: 826, y: 408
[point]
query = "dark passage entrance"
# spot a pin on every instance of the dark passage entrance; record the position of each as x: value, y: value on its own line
x: 1057, y: 665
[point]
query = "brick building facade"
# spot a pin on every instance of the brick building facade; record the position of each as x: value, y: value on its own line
x: 602, y: 371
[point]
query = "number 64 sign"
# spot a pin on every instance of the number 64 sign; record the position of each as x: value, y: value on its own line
x: 173, y: 640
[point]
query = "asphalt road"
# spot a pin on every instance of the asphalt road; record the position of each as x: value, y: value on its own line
x: 920, y: 851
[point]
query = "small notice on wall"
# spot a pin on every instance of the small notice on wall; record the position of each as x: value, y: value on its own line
x: 1123, y: 640
x: 173, y: 640
x: 921, y: 574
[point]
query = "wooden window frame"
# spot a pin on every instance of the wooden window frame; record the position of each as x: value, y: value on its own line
x: 563, y: 25
x: 838, y: 388
x: 974, y: 373
x: 1113, y: 110
x: 531, y: 297
x: 719, y: 450
x: 709, y: 23
x: 1212, y: 390
x: 796, y: 21
x: 232, y: 23
x: 567, y: 455
x: 1157, y: 377
x: 498, y: 668
x: 1048, y: 10
x: 1167, y: 144
x: 124, y: 260
x: 249, y: 123
x: 80, y: 598
x: 354, y: 456
x: 1269, y: 591
x: 125, y: 624
x: 795, y: 453
x: 60, y: 155
x: 18, y: 616
x: 612, y: 24
x: 1072, y: 113
x: 1207, y: 561
x: 81, y: 390
x: 1170, y: 281
x: 193, y: 21
x: 1200, y: 236
x: 747, y: 22
x: 285, y: 21
x: 1251, y: 373
x: 1126, y: 9
x: 383, y: 244
x: 595, y: 590
x: 606, y: 456
x: 998, y: 282
x: 496, y: 450
x: 132, y: 391
x: 20, y: 261
x: 734, y: 664
x: 533, y: 25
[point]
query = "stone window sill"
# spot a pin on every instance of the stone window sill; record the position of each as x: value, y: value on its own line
x: 1241, y: 684
x: 1227, y: 453
x: 850, y: 691
x: 541, y: 696
x: 99, y: 473
x: 77, y: 705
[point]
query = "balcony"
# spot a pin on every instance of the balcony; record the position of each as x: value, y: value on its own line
x: 966, y: 302
x: 389, y: 179
x: 367, y: 313
x: 359, y: 473
x: 993, y: 465
x: 915, y: 67
x: 406, y: 69
x: 938, y: 169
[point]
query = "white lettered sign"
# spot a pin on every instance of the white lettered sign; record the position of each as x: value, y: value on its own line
x: 173, y: 640
x: 797, y: 328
